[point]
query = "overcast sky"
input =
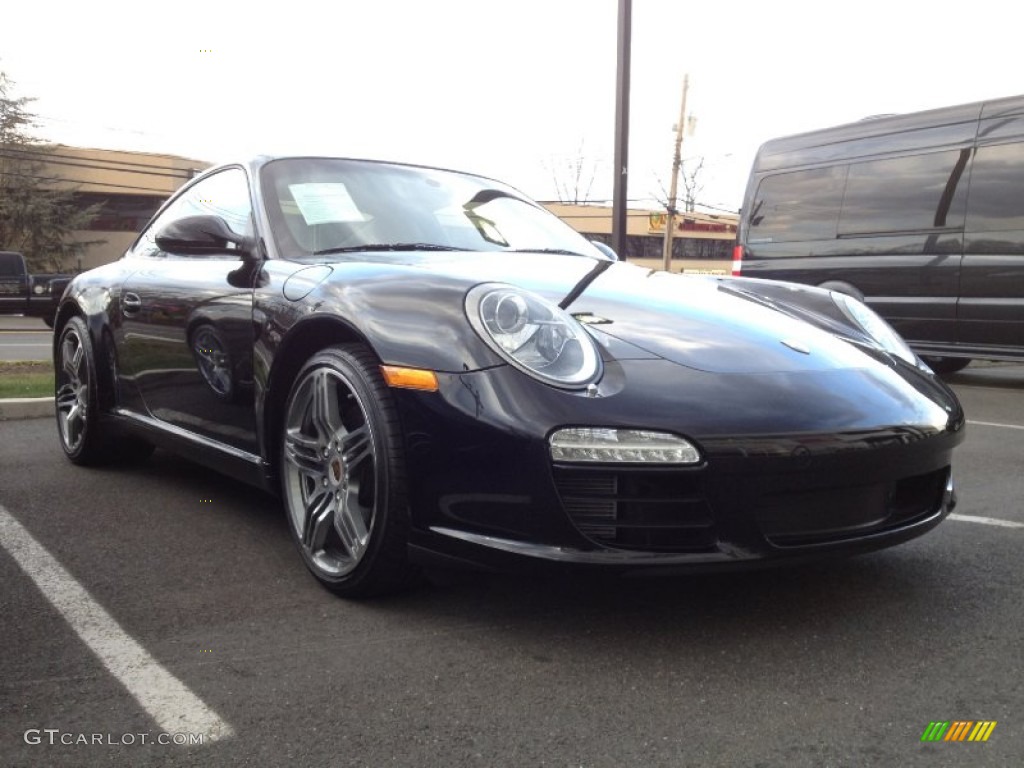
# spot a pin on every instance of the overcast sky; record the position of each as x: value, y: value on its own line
x: 513, y: 90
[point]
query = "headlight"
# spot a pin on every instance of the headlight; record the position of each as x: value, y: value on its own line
x: 534, y: 335
x: 38, y: 289
x: 874, y: 326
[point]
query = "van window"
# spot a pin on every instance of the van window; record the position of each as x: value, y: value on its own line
x: 996, y: 183
x: 903, y: 194
x: 803, y: 205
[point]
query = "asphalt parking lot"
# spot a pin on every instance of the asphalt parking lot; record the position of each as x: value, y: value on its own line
x: 202, y: 620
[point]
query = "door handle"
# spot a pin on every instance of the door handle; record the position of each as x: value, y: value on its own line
x: 131, y: 303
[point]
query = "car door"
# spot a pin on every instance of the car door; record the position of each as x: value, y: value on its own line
x: 991, y: 309
x: 186, y: 337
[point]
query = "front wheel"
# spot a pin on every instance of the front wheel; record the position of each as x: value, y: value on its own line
x: 343, y: 473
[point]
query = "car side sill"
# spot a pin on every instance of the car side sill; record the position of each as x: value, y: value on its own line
x: 221, y: 457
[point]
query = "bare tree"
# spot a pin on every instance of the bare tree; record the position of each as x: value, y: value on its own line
x: 573, y: 176
x: 689, y: 174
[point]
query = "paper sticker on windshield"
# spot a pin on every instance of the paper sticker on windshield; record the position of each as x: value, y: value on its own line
x: 322, y: 202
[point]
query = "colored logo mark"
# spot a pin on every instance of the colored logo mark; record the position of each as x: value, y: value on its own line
x: 959, y: 730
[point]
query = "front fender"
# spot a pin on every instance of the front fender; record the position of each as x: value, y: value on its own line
x: 411, y: 319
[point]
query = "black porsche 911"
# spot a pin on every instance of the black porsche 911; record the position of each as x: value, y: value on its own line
x: 428, y: 367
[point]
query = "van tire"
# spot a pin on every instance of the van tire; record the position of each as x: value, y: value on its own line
x: 947, y: 365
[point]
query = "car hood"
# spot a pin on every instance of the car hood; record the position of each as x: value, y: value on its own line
x: 692, y: 321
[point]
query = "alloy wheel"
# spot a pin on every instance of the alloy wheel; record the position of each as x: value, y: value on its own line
x: 72, y: 389
x: 330, y: 467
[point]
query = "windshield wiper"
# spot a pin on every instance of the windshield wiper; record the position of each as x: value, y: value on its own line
x: 388, y: 247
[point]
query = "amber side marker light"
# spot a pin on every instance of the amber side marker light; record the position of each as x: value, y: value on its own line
x: 409, y: 378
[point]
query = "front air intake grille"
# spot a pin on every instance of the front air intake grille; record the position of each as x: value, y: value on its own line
x: 831, y: 515
x: 638, y: 509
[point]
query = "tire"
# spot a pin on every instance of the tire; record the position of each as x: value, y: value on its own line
x: 947, y: 365
x: 76, y: 396
x: 343, y: 474
x: 83, y: 436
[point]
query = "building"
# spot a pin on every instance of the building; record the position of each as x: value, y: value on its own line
x: 702, y: 242
x: 129, y: 186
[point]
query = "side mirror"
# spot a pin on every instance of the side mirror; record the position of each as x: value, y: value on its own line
x: 607, y: 250
x: 199, y: 235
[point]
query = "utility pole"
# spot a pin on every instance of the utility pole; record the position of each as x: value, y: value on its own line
x: 619, y: 184
x: 670, y: 219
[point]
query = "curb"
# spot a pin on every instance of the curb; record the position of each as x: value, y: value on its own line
x: 26, y: 408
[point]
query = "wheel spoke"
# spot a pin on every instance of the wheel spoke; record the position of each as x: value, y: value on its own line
x: 71, y: 356
x: 303, y: 453
x: 72, y: 422
x: 77, y: 359
x: 318, y: 521
x: 66, y: 397
x: 356, y: 447
x: 350, y: 524
x: 324, y: 407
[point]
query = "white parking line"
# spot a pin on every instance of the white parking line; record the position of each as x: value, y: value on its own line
x: 986, y: 521
x: 167, y: 700
x: 996, y: 424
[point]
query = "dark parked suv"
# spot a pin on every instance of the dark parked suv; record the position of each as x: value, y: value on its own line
x: 921, y: 215
x: 22, y: 293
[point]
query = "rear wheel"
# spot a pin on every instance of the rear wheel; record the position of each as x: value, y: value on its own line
x: 343, y: 473
x: 77, y: 398
x: 83, y: 437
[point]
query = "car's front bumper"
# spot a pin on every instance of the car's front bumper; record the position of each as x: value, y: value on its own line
x: 485, y: 490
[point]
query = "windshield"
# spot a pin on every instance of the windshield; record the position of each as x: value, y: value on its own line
x: 321, y: 205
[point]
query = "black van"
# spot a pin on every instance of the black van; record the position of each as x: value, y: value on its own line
x: 920, y: 215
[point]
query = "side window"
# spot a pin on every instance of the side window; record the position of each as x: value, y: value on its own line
x: 10, y: 265
x: 802, y: 205
x: 225, y: 194
x: 997, y: 179
x: 904, y: 194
